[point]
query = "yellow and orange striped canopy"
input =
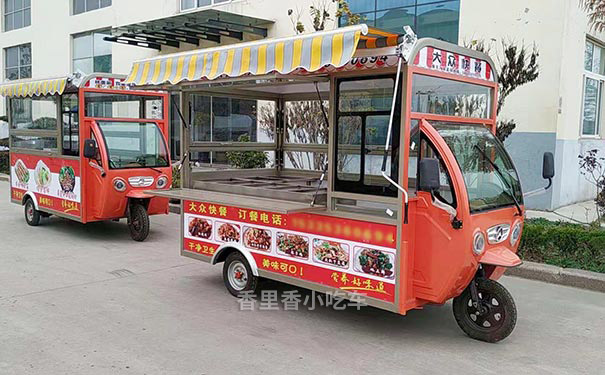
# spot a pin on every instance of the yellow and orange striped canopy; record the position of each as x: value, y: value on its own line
x: 284, y: 55
x: 34, y: 88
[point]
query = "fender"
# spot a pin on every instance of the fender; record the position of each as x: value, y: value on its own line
x: 217, y: 257
x: 33, y: 197
x: 500, y: 256
x: 137, y: 194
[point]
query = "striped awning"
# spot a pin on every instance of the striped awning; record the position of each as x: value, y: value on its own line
x: 34, y: 88
x: 310, y: 52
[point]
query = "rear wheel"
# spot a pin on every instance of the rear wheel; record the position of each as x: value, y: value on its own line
x: 493, y: 318
x: 237, y: 274
x: 138, y: 222
x: 32, y: 216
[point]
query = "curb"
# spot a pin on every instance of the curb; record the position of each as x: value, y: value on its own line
x: 4, y: 177
x: 561, y: 276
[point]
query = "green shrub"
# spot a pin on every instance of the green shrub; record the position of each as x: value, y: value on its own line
x: 563, y: 244
x: 176, y: 177
x: 247, y: 159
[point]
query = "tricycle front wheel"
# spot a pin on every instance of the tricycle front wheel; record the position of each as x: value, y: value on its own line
x: 138, y: 222
x: 493, y: 318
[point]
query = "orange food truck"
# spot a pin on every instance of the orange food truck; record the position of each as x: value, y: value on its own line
x: 407, y: 198
x: 86, y: 148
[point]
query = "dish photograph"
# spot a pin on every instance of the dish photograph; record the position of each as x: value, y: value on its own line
x: 293, y: 245
x: 67, y: 179
x: 374, y: 262
x: 258, y: 239
x: 22, y: 172
x: 330, y: 252
x: 200, y: 228
x: 42, y: 175
x: 228, y: 232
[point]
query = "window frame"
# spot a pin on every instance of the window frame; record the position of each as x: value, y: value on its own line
x: 600, y: 78
x: 56, y: 133
x: 362, y: 192
x: 312, y: 148
x: 22, y: 10
x: 197, y: 6
x: 18, y: 66
x: 92, y: 34
x: 213, y: 147
x: 86, y: 10
x: 375, y: 11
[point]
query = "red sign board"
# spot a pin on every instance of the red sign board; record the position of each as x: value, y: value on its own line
x: 351, y: 255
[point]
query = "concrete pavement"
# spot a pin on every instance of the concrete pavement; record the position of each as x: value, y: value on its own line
x: 78, y: 299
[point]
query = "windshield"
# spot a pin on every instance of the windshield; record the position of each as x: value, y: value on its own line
x: 489, y: 174
x: 134, y: 144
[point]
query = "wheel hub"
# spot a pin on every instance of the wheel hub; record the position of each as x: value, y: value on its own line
x: 238, y: 275
x: 487, y: 313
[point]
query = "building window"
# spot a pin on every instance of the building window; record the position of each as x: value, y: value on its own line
x: 17, y: 14
x: 82, y: 6
x: 594, y: 76
x: 190, y: 4
x: 18, y: 62
x: 91, y: 53
x: 435, y: 19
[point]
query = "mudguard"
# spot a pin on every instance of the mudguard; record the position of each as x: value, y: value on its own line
x: 500, y: 256
x: 33, y: 197
x: 216, y: 258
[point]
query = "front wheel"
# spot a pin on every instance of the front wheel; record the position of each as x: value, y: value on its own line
x: 138, y: 222
x: 493, y: 318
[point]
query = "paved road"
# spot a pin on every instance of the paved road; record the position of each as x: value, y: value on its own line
x: 78, y: 299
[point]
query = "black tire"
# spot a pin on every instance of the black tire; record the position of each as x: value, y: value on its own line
x: 32, y: 216
x: 498, y: 317
x: 244, y: 281
x: 138, y: 222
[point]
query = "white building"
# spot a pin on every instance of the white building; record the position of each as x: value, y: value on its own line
x: 559, y: 112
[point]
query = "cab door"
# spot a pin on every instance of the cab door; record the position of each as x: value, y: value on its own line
x: 96, y: 176
x: 441, y: 251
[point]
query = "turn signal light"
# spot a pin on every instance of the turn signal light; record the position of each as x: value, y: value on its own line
x: 119, y: 184
x: 162, y: 182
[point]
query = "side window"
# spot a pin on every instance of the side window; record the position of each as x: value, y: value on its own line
x: 364, y: 107
x: 446, y: 192
x: 71, y: 125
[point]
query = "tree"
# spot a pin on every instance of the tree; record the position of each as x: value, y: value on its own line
x: 319, y: 13
x: 596, y: 13
x: 592, y: 167
x: 517, y: 66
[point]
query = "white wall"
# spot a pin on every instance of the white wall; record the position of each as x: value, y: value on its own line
x: 53, y: 25
x: 534, y: 106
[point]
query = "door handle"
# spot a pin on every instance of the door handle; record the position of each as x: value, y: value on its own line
x: 97, y: 167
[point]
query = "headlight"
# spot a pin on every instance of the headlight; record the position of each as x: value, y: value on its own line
x: 162, y: 182
x: 478, y: 243
x: 119, y: 184
x: 515, y: 234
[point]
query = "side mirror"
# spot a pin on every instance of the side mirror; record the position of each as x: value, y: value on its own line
x: 548, y: 166
x: 90, y: 148
x: 428, y: 175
